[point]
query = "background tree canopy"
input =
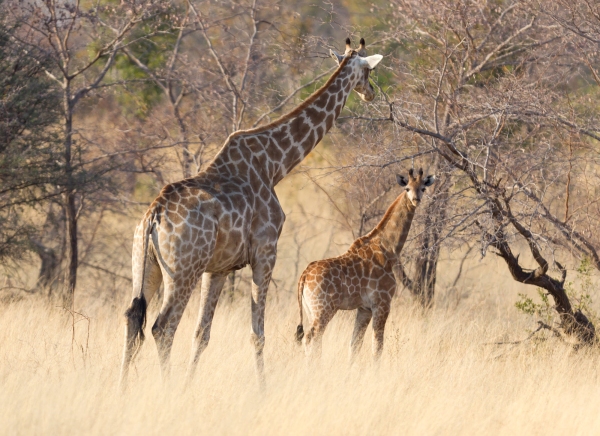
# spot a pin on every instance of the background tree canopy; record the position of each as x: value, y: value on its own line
x: 29, y: 114
x: 103, y: 104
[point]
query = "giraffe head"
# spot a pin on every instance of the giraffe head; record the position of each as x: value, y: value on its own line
x: 415, y: 186
x: 360, y: 65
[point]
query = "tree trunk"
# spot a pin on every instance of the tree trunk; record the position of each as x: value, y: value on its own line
x: 428, y: 246
x: 72, y: 254
x: 70, y: 208
x: 426, y: 266
x: 573, y: 323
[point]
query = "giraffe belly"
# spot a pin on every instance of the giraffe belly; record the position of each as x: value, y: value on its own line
x: 350, y: 303
x: 352, y: 298
x: 233, y: 228
x: 226, y: 264
x: 230, y: 253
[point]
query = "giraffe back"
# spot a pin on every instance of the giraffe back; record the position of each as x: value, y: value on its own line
x: 363, y: 276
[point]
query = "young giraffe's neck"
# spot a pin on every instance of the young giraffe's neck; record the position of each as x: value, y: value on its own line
x: 392, y: 230
x: 284, y: 143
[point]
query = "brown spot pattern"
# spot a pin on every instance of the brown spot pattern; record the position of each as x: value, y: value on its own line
x: 362, y: 278
x: 226, y: 217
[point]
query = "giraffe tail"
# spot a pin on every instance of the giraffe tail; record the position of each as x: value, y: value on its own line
x: 300, y: 328
x: 136, y: 313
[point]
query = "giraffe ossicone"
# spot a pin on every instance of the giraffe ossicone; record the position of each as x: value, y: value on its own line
x: 226, y: 217
x: 363, y: 278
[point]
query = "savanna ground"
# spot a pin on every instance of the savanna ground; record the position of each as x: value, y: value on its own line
x: 440, y: 373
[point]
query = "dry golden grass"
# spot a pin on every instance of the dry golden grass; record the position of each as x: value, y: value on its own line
x: 437, y: 376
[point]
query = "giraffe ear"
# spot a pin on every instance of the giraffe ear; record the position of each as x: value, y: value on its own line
x: 402, y: 181
x: 428, y: 181
x: 362, y: 51
x: 371, y: 62
x: 348, y: 45
x: 336, y: 56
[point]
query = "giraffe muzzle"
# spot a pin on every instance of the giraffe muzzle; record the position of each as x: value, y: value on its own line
x: 368, y: 95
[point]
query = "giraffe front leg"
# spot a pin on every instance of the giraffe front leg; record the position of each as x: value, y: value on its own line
x: 212, y: 284
x: 363, y: 318
x: 379, y: 319
x: 257, y: 337
x: 261, y: 277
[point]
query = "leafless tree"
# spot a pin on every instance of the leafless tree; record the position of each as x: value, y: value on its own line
x: 486, y: 97
x: 495, y: 98
x: 61, y: 30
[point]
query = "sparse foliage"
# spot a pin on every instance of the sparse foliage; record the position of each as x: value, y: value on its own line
x: 496, y: 98
x: 28, y: 112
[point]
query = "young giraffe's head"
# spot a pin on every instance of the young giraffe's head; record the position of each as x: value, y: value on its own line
x: 415, y: 186
x: 361, y: 65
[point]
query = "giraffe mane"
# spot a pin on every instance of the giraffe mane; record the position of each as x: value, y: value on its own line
x: 310, y: 100
x: 380, y: 224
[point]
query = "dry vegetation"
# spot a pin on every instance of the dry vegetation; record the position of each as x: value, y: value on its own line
x: 440, y: 372
x: 498, y: 98
x: 438, y: 375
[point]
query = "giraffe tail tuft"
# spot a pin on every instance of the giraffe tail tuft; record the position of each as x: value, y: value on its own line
x: 136, y: 318
x: 299, y: 334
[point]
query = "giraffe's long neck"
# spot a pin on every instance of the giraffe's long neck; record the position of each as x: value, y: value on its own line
x: 295, y: 139
x: 278, y: 147
x: 392, y: 230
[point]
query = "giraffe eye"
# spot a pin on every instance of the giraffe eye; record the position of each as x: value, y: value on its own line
x: 407, y: 189
x: 422, y: 189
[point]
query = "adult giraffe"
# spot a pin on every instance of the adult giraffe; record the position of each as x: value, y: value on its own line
x: 227, y: 217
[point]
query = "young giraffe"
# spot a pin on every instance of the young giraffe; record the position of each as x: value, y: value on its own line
x: 362, y: 278
x: 228, y: 216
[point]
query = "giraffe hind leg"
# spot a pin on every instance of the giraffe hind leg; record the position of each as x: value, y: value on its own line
x: 363, y: 318
x: 212, y: 284
x: 176, y: 296
x: 380, y: 316
x: 314, y: 337
x: 180, y: 279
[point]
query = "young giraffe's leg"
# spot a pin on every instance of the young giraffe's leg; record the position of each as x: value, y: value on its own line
x: 313, y: 340
x: 363, y: 318
x: 380, y: 316
x: 212, y: 284
x: 134, y: 317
